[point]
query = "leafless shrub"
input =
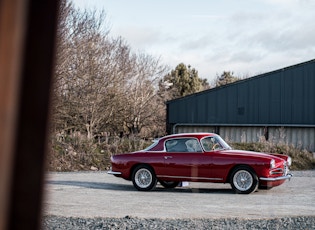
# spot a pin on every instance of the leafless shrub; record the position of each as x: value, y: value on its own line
x: 70, y: 155
x: 301, y: 158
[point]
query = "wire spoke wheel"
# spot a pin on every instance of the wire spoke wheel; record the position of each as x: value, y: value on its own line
x: 244, y: 180
x: 143, y: 178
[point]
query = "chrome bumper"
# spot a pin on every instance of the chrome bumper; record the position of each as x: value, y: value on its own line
x: 113, y: 173
x: 288, y: 176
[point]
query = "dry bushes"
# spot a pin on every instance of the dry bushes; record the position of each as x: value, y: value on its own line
x: 72, y: 154
x: 301, y: 159
x: 75, y: 154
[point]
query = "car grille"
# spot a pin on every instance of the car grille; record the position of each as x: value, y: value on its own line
x: 286, y: 169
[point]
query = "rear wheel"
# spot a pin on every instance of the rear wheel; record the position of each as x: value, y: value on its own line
x: 169, y: 184
x: 244, y: 180
x: 143, y: 178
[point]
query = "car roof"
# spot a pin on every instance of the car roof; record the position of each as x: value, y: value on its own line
x: 159, y: 143
x: 199, y: 135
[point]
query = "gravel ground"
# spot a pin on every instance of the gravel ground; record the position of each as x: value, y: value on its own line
x: 51, y: 221
x: 54, y: 222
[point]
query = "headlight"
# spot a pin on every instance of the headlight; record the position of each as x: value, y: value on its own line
x: 272, y: 164
x: 289, y: 160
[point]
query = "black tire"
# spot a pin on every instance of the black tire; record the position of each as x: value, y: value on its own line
x: 264, y: 187
x: 143, y: 178
x: 244, y: 180
x: 169, y: 184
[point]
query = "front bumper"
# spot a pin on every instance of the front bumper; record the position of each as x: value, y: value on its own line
x: 113, y: 172
x: 286, y: 177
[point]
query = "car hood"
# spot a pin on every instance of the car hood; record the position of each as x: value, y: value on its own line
x: 251, y: 153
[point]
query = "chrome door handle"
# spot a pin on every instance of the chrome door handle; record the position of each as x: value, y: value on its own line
x: 168, y: 157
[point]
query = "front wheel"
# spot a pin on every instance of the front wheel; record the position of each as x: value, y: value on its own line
x: 244, y: 180
x: 143, y: 178
x: 169, y: 184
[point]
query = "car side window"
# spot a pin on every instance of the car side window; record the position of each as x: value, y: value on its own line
x: 193, y: 145
x: 210, y: 144
x: 183, y: 145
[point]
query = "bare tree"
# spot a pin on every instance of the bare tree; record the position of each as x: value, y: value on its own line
x: 101, y: 86
x: 141, y: 91
x: 79, y: 74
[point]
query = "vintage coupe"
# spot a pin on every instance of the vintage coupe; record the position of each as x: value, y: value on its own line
x: 200, y: 157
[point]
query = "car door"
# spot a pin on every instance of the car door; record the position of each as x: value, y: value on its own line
x: 185, y: 160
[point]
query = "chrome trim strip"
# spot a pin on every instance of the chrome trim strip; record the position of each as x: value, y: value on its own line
x: 193, y: 178
x: 277, y: 178
x: 113, y: 173
x: 276, y: 171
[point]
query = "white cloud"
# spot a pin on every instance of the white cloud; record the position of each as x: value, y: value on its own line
x: 246, y: 37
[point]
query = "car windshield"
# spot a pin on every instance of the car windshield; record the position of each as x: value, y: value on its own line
x: 214, y: 143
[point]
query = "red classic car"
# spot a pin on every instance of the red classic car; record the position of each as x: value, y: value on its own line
x: 200, y: 157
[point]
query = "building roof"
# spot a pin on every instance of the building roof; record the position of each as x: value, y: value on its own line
x: 282, y: 97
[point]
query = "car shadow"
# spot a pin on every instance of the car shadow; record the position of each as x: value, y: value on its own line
x: 197, y: 190
x: 92, y: 185
x: 127, y: 187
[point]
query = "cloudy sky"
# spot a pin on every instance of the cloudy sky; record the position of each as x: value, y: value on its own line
x: 248, y: 37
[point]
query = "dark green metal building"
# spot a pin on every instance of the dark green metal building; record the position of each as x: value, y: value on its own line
x: 279, y: 106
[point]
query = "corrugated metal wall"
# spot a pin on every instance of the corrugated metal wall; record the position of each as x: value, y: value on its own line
x: 242, y: 134
x: 195, y: 129
x: 302, y: 138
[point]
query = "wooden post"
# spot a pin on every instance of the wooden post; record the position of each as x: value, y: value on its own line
x: 27, y: 38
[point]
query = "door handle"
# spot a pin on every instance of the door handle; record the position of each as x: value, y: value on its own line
x: 168, y: 157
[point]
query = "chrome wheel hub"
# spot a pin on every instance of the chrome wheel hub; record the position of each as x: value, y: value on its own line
x: 143, y: 178
x: 243, y: 180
